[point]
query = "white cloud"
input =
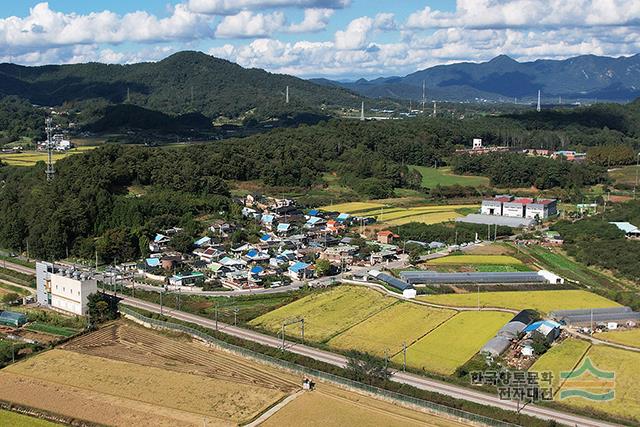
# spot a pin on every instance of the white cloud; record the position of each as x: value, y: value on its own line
x: 356, y: 35
x: 314, y: 20
x: 45, y: 28
x: 246, y: 24
x: 232, y: 7
x: 529, y: 13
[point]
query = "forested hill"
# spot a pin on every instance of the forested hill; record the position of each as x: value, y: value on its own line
x: 219, y: 87
x: 586, y: 77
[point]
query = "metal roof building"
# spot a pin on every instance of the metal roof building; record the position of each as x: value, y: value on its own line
x: 515, y: 222
x: 498, y: 344
x: 433, y: 277
x: 595, y: 315
x: 11, y: 318
x: 391, y: 281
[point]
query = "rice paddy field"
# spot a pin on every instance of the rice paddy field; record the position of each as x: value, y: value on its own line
x: 453, y: 343
x: 127, y: 375
x: 396, y: 215
x: 630, y: 337
x: 624, y: 364
x: 562, y: 357
x: 388, y: 329
x: 326, y: 314
x: 541, y: 301
x: 30, y: 158
x: 475, y: 259
x: 432, y: 177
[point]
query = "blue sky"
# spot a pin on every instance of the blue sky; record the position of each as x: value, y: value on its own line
x: 317, y: 38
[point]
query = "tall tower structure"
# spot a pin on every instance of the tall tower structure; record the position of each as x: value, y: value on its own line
x: 435, y: 111
x: 50, y: 171
x: 424, y: 94
x: 538, y: 108
x: 362, y: 112
x: 286, y: 95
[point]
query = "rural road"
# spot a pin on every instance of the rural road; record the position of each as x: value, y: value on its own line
x: 17, y: 267
x: 424, y: 383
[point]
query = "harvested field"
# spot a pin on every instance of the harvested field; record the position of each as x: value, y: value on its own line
x: 387, y: 330
x: 148, y: 378
x: 541, y: 301
x: 494, y: 249
x: 329, y: 406
x: 452, y: 344
x: 326, y: 314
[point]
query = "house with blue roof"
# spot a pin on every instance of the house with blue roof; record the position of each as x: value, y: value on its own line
x: 257, y: 256
x: 267, y: 220
x: 314, y: 221
x: 203, y: 241
x: 343, y: 217
x: 159, y: 243
x: 152, y: 262
x: 283, y: 228
x: 630, y: 230
x: 301, y: 271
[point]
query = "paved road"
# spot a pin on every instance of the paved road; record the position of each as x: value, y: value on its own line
x: 455, y: 391
x: 17, y: 267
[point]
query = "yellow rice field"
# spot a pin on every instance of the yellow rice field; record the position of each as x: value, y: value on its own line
x: 541, y: 301
x: 452, y: 344
x: 475, y: 259
x: 630, y: 337
x: 326, y: 314
x: 392, y: 215
x: 30, y: 158
x: 387, y: 330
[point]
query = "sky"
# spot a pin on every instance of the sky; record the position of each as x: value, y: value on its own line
x: 337, y: 39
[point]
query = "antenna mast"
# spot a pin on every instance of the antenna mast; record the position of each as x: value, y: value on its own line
x: 50, y: 171
x: 424, y: 94
x: 362, y: 112
x: 286, y: 97
x: 434, y: 109
x: 538, y: 107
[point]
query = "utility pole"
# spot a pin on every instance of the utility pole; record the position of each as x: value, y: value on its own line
x: 478, y: 297
x: 161, y: 292
x: 235, y: 316
x: 539, y: 107
x: 634, y: 187
x: 50, y: 171
x: 216, y: 312
x: 286, y: 100
x: 302, y: 326
x: 404, y: 355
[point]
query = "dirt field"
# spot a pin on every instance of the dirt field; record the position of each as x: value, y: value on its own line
x: 145, y: 378
x: 330, y: 406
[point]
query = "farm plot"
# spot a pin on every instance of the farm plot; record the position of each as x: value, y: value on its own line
x: 326, y: 314
x: 387, y: 330
x: 394, y: 215
x: 452, y: 344
x: 353, y: 207
x: 475, y: 259
x: 14, y: 419
x: 541, y: 301
x: 330, y: 406
x: 624, y: 364
x: 432, y: 177
x: 630, y: 337
x: 145, y: 378
x: 30, y: 158
x: 562, y: 357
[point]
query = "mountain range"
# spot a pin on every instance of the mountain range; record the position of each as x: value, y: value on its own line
x: 185, y: 82
x: 586, y: 77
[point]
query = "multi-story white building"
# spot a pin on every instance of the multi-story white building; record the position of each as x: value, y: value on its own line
x: 505, y: 205
x: 64, y: 290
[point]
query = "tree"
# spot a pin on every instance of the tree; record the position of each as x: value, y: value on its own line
x: 182, y: 242
x: 323, y: 267
x: 101, y: 308
x: 365, y: 367
x: 10, y: 297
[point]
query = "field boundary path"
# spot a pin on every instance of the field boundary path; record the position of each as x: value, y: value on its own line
x: 17, y: 267
x: 26, y: 288
x: 272, y: 411
x: 424, y: 383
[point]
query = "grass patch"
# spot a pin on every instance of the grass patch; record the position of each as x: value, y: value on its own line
x: 452, y: 344
x: 50, y: 329
x: 432, y: 177
x: 541, y: 301
x: 8, y: 418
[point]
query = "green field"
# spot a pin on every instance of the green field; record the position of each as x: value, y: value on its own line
x: 476, y: 259
x: 326, y: 314
x: 541, y: 301
x: 14, y: 419
x: 50, y: 329
x: 561, y: 357
x: 452, y: 344
x: 443, y: 177
x: 30, y: 158
x: 624, y: 175
x: 387, y: 330
x: 629, y: 337
x: 624, y: 364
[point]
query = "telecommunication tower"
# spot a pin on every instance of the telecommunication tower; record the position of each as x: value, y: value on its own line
x: 50, y: 171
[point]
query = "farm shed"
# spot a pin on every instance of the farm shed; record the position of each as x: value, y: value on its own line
x: 407, y: 289
x: 11, y: 318
x: 498, y: 344
x: 595, y: 316
x: 525, y: 277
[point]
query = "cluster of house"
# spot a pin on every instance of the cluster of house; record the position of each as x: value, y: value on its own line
x: 290, y: 242
x: 58, y: 143
x: 570, y: 155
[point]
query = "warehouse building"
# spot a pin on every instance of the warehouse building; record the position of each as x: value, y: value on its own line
x: 509, y: 332
x: 507, y: 206
x: 64, y: 289
x: 595, y: 316
x: 481, y: 278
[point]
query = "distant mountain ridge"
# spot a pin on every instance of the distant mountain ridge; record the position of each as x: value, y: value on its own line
x: 586, y: 77
x: 182, y: 83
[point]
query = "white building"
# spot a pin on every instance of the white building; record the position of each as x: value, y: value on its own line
x: 64, y: 290
x: 477, y: 143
